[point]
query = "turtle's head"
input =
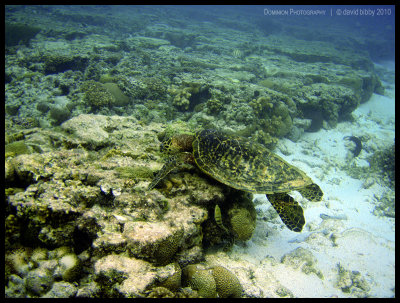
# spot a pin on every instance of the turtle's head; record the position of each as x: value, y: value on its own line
x: 177, y: 143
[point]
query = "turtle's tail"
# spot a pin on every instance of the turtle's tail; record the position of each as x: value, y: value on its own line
x: 165, y: 170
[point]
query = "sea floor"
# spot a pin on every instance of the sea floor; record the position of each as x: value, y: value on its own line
x: 348, y: 250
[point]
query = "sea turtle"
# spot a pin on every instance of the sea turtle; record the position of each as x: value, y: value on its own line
x: 243, y: 165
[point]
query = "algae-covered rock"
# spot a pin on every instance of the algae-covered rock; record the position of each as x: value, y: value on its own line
x: 120, y: 98
x: 160, y: 292
x: 17, y: 148
x: 59, y: 114
x: 327, y: 102
x: 383, y: 162
x: 131, y: 275
x: 16, y: 33
x: 173, y: 282
x: 70, y: 267
x: 96, y: 137
x: 39, y: 281
x: 152, y: 241
x: 303, y: 259
x: 132, y: 172
x: 61, y: 290
x: 25, y: 169
x: 128, y: 276
x: 352, y: 282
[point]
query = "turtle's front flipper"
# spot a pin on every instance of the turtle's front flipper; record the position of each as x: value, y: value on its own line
x: 289, y: 210
x: 165, y: 170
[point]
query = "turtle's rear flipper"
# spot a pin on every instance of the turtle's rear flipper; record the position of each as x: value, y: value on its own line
x: 312, y: 193
x: 165, y: 170
x: 289, y: 210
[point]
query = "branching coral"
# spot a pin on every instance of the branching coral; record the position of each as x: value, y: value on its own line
x: 97, y: 95
x: 183, y: 94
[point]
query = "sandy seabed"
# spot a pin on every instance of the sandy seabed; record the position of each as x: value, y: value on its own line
x: 354, y: 239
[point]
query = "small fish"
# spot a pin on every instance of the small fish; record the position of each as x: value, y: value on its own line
x: 358, y: 144
x: 337, y: 217
x: 218, y: 218
x: 237, y: 53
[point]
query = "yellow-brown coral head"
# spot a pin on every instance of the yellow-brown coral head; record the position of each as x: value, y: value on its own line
x: 177, y: 143
x: 203, y: 282
x: 242, y: 222
x: 228, y: 285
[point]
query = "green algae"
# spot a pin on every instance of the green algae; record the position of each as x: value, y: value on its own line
x: 134, y: 172
x: 16, y: 148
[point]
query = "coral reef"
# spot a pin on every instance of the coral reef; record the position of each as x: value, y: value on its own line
x: 79, y: 220
x: 100, y: 95
x: 214, y: 106
x: 92, y: 198
x: 37, y: 272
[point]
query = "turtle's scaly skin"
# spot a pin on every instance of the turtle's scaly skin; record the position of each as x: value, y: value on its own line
x: 246, y: 166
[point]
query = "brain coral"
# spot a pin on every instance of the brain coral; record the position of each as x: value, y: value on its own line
x: 228, y: 285
x: 242, y: 222
x: 173, y: 282
x: 153, y: 241
x: 204, y: 283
